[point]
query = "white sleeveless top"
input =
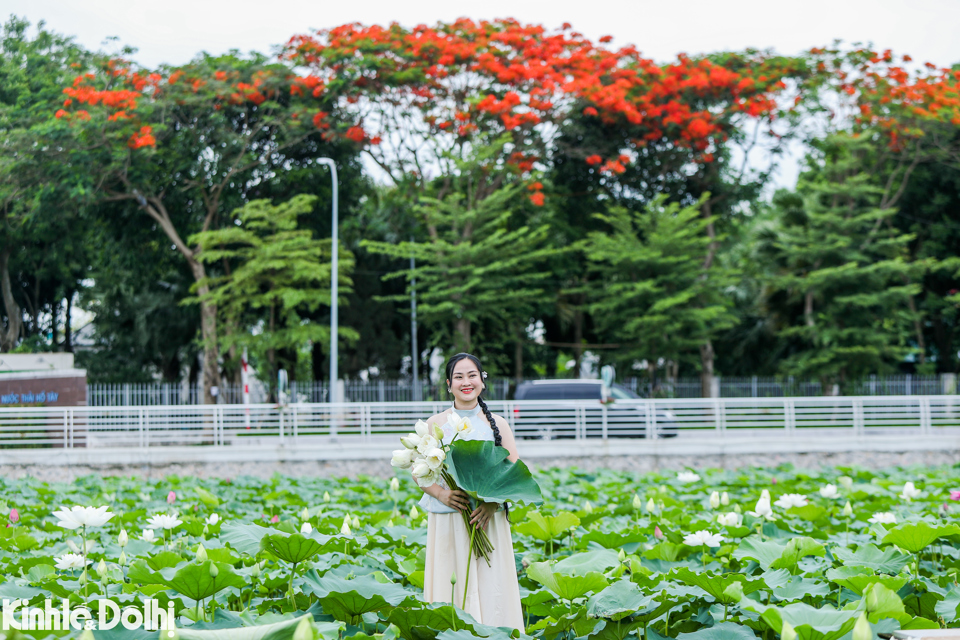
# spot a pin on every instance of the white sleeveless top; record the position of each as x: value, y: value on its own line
x: 481, y: 431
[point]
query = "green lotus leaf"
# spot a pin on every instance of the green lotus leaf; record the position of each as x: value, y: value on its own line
x: 206, y: 497
x: 282, y: 630
x: 620, y: 599
x: 717, y: 585
x: 881, y: 603
x: 347, y: 599
x: 797, y: 588
x: 244, y: 537
x: 565, y: 586
x: 291, y: 548
x: 797, y: 549
x: 629, y: 541
x: 765, y: 552
x: 917, y: 536
x: 869, y: 555
x: 857, y: 579
x: 721, y: 631
x: 194, y: 580
x: 810, y: 623
x: 428, y: 622
x: 547, y: 528
x: 614, y: 630
x: 583, y: 563
x: 481, y: 468
x: 948, y: 607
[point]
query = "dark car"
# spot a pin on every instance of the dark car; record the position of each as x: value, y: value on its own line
x: 624, y: 419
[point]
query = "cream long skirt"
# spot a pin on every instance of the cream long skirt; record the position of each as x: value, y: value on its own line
x: 493, y: 594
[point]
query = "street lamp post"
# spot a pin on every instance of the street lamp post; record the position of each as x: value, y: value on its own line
x: 334, y: 282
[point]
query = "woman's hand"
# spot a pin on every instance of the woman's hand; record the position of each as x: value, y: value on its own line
x: 482, y: 514
x: 454, y: 499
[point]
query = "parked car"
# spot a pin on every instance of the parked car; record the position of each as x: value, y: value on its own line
x: 624, y: 419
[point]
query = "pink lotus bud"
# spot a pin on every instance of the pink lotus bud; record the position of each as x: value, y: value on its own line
x: 773, y: 480
x: 14, y: 515
x: 171, y: 497
x: 955, y: 494
x: 275, y: 519
x: 657, y: 533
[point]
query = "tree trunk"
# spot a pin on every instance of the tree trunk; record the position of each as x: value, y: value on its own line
x: 54, y: 316
x: 208, y: 332
x: 462, y: 327
x: 706, y: 369
x: 578, y: 341
x: 917, y: 329
x: 68, y: 325
x: 11, y: 333
x: 518, y: 361
x: 808, y: 308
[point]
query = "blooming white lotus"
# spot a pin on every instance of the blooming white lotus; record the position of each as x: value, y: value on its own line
x: 410, y: 441
x: 910, y: 492
x: 458, y: 424
x: 422, y: 428
x: 703, y: 537
x: 829, y: 491
x: 306, y: 528
x: 76, y: 517
x: 715, y: 500
x: 434, y: 458
x: 403, y: 459
x: 148, y: 535
x: 687, y: 476
x: 420, y: 469
x: 163, y: 521
x: 426, y: 443
x: 70, y: 561
x: 883, y: 517
x: 763, y: 510
x: 212, y: 519
x: 730, y: 519
x: 790, y: 500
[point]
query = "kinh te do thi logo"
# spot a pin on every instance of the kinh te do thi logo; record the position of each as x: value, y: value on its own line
x: 17, y: 615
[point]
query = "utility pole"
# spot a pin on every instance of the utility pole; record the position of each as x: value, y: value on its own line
x: 334, y: 295
x: 415, y: 362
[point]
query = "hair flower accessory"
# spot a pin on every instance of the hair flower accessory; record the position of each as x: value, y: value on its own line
x: 484, y: 375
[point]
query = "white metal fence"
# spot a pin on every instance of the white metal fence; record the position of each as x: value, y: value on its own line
x: 305, y: 423
x: 381, y: 390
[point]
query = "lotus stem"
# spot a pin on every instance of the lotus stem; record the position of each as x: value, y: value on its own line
x: 466, y: 582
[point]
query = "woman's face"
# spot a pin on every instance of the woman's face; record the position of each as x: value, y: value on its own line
x: 465, y: 383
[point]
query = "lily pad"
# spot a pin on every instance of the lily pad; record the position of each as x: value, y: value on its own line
x: 481, y: 468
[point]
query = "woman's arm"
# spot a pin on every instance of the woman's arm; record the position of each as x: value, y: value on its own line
x: 506, y: 438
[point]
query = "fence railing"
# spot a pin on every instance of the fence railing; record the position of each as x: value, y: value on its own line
x: 379, y: 390
x: 265, y: 425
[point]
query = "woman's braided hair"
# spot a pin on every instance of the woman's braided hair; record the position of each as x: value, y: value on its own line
x: 497, y: 439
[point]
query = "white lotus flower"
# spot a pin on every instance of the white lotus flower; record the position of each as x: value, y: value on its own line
x: 702, y: 537
x: 461, y: 425
x: 70, y: 561
x: 163, y: 521
x: 846, y: 482
x: 306, y: 528
x: 345, y: 528
x: 403, y: 458
x: 829, y: 491
x: 427, y: 443
x: 724, y: 499
x: 422, y: 428
x: 123, y: 538
x: 651, y: 506
x: 790, y: 500
x: 731, y: 519
x: 847, y: 510
x: 687, y: 476
x: 77, y: 517
x: 435, y: 458
x: 715, y: 500
x: 212, y: 519
x: 148, y: 535
x: 410, y: 441
x: 421, y: 469
x: 910, y: 492
x: 394, y: 484
x: 637, y: 503
x: 883, y: 517
x: 763, y: 510
x: 430, y: 479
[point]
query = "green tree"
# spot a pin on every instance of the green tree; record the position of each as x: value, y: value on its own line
x: 654, y: 295
x: 844, y: 279
x: 273, y: 273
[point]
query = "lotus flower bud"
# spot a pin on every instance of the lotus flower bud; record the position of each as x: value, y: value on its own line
x: 715, y: 500
x: 305, y: 514
x: 356, y: 522
x: 587, y: 507
x: 255, y: 570
x: 326, y: 496
x: 123, y: 538
x: 871, y: 600
x: 171, y: 497
x: 102, y: 569
x: 414, y: 514
x: 847, y: 510
x: 637, y: 503
x: 14, y: 516
x: 622, y: 555
x: 390, y: 522
x: 787, y: 632
x: 394, y: 484
x: 73, y: 546
x: 862, y: 630
x: 83, y: 577
x: 438, y: 433
x: 845, y: 481
x: 657, y: 533
x: 737, y: 508
x: 724, y: 499
x: 345, y: 528
x: 206, y: 531
x: 453, y: 578
x: 304, y: 630
x: 201, y: 554
x: 651, y: 506
x: 214, y: 572
x: 122, y: 560
x: 306, y: 529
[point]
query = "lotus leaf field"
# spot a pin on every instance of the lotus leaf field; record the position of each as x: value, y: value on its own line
x: 707, y: 555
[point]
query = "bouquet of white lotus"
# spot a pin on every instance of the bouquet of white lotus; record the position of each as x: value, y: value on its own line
x: 477, y: 467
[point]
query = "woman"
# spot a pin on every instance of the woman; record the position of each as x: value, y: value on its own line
x: 493, y: 593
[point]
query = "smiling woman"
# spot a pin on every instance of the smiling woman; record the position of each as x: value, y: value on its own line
x: 492, y: 594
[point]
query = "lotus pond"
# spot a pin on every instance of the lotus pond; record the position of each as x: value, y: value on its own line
x: 843, y: 553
